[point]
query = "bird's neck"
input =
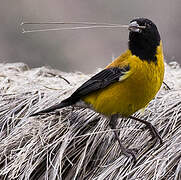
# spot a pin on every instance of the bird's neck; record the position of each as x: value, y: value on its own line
x: 145, y: 49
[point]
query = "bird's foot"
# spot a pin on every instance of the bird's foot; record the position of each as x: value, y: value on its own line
x: 154, y: 132
x: 130, y: 153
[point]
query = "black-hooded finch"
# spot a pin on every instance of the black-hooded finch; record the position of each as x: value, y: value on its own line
x: 126, y: 85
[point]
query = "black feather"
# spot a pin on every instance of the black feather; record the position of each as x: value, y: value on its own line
x: 144, y: 44
x: 98, y: 81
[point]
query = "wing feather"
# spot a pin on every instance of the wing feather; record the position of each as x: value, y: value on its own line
x: 101, y: 80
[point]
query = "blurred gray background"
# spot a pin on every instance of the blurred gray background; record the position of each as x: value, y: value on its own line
x: 82, y: 50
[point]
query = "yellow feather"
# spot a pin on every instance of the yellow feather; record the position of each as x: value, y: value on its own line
x: 134, y: 90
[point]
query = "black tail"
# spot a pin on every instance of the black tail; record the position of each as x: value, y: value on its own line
x: 66, y: 102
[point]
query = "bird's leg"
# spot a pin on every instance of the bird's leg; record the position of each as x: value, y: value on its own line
x: 126, y: 152
x: 166, y: 85
x: 153, y: 130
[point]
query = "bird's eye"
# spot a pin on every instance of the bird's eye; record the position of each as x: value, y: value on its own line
x: 148, y: 25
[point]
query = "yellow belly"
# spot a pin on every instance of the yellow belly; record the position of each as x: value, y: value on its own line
x: 133, y: 93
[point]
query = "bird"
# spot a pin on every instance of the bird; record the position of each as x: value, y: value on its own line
x: 127, y: 84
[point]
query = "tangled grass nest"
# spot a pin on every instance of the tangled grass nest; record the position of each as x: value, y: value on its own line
x: 78, y: 143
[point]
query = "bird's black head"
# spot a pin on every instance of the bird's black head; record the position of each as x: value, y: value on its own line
x: 143, y: 39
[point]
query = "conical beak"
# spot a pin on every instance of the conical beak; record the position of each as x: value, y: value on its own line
x: 134, y: 27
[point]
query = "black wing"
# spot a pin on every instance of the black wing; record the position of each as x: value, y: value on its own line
x: 100, y: 80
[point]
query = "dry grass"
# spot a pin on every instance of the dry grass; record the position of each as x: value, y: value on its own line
x: 78, y: 144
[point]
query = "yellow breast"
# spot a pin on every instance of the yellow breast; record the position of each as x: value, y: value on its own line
x: 133, y: 93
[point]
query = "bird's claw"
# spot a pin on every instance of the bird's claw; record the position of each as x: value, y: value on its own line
x: 130, y: 153
x: 154, y: 132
